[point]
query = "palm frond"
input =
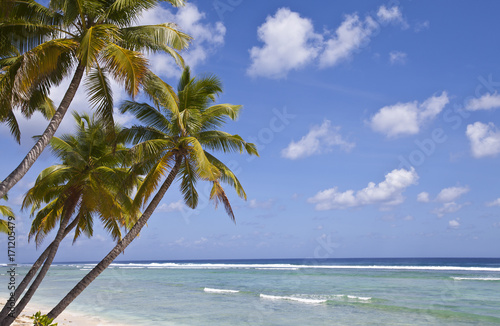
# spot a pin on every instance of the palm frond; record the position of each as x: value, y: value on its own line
x: 156, y: 38
x: 152, y: 180
x: 218, y: 195
x: 127, y: 66
x: 205, y: 169
x: 11, y: 121
x: 147, y: 115
x: 100, y: 95
x: 227, y: 176
x: 189, y: 176
x: 94, y: 40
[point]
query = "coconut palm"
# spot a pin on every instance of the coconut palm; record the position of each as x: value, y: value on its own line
x: 176, y: 140
x: 91, y: 181
x: 41, y: 46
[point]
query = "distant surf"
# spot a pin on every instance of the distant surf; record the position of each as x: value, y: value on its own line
x: 476, y: 278
x: 302, y: 300
x: 295, y: 267
x: 210, y: 290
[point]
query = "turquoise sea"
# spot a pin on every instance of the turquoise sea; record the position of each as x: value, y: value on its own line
x: 430, y: 291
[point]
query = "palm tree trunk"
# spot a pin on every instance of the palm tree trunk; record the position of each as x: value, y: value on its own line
x: 32, y: 272
x: 44, y: 140
x: 45, y: 268
x: 120, y: 246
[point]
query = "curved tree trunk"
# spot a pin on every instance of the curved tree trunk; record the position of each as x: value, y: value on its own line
x: 120, y: 246
x: 44, y: 140
x: 32, y: 272
x: 45, y: 268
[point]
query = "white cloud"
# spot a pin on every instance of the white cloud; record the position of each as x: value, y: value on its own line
x: 408, y: 218
x: 423, y: 197
x: 256, y: 204
x: 352, y: 34
x: 451, y: 194
x: 484, y: 139
x: 397, y: 57
x: 206, y: 37
x: 391, y: 15
x: 453, y: 224
x: 289, y: 43
x: 178, y: 206
x: 420, y: 26
x: 486, y: 102
x: 407, y: 118
x: 387, y: 192
x: 319, y: 139
x: 447, y: 208
x: 496, y: 202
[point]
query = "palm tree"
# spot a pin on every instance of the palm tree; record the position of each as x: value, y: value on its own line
x: 178, y: 138
x: 41, y: 46
x: 5, y: 211
x: 91, y: 181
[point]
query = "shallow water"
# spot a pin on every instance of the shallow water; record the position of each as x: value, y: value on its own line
x: 286, y: 292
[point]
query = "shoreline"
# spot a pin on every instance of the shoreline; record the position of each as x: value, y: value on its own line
x: 66, y: 318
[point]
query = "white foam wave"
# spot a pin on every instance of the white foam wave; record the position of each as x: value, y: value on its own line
x: 297, y: 299
x: 476, y: 278
x: 295, y: 267
x: 210, y: 290
x: 353, y: 297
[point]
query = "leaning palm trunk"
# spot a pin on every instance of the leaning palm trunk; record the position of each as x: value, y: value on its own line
x: 44, y: 140
x: 33, y: 270
x: 43, y: 271
x: 120, y: 246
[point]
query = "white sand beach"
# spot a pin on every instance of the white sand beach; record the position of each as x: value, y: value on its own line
x: 67, y: 318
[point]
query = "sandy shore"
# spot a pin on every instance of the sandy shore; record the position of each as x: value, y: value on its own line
x: 67, y: 318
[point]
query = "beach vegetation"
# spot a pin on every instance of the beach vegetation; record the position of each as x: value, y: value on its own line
x: 42, y: 320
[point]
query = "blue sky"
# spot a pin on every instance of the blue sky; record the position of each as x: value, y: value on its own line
x: 376, y: 122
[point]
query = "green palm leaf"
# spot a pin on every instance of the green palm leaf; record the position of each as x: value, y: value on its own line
x: 100, y: 95
x: 127, y: 66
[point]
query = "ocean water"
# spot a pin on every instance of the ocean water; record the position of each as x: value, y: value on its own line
x: 285, y: 292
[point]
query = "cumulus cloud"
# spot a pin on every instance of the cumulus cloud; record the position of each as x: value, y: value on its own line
x: 349, y: 36
x: 257, y: 204
x: 407, y: 118
x: 447, y: 208
x: 453, y: 224
x: 206, y: 37
x: 177, y: 206
x: 486, y: 102
x: 289, y: 43
x: 320, y: 139
x: 391, y: 15
x: 387, y: 192
x: 496, y: 202
x: 397, y: 57
x: 451, y: 194
x: 423, y: 197
x: 484, y: 139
